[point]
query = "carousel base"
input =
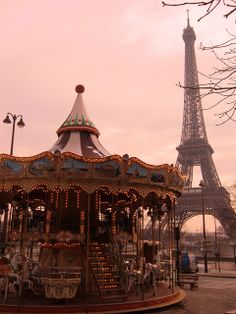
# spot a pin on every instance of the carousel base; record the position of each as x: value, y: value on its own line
x: 91, y: 304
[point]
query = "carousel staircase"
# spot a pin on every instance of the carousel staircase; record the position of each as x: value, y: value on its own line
x: 106, y: 272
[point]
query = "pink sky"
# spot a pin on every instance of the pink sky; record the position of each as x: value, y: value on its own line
x: 129, y: 55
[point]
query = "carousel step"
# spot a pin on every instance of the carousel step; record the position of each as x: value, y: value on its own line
x: 103, y: 265
x: 100, y: 271
x: 100, y: 260
x: 95, y: 261
x: 108, y: 282
x: 100, y: 267
x: 95, y: 252
x: 107, y: 275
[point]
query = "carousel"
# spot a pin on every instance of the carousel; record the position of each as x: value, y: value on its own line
x: 72, y: 227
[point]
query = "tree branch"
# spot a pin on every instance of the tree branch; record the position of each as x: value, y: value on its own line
x: 212, y: 5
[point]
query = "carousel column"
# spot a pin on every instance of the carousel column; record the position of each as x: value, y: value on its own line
x: 153, y: 219
x: 113, y: 223
x: 23, y: 224
x: 113, y: 218
x: 21, y: 230
x: 142, y: 250
x: 4, y: 231
x: 134, y: 227
x: 169, y: 248
x: 87, y: 246
x: 177, y: 239
x: 81, y: 215
x: 48, y: 225
x: 159, y: 233
x: 139, y: 232
x: 82, y: 222
x: 172, y: 247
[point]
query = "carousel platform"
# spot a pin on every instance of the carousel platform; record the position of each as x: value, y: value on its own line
x: 27, y: 303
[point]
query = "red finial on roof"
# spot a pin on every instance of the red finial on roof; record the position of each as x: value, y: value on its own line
x: 79, y: 89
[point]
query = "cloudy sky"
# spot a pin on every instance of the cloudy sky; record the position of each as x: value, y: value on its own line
x: 129, y: 55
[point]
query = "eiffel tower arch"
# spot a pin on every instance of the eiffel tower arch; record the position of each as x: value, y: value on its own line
x: 195, y: 151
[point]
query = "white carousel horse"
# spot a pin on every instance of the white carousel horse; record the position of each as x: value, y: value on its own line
x: 15, y: 280
x: 20, y: 277
x: 148, y: 268
x: 4, y: 279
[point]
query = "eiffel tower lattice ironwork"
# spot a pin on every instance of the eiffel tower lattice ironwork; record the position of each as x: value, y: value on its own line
x: 194, y: 150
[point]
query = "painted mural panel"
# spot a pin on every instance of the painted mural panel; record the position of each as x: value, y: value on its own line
x: 10, y: 168
x: 108, y: 169
x: 73, y: 167
x: 137, y: 171
x: 41, y: 167
x: 159, y: 176
x: 176, y: 181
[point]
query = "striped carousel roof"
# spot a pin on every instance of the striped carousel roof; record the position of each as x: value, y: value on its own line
x: 78, y: 134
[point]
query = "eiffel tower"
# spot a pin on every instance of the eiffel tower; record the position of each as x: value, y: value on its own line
x: 195, y: 151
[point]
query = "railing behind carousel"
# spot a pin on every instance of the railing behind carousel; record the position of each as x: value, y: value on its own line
x: 120, y: 262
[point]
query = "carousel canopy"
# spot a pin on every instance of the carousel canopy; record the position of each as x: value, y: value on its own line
x: 78, y: 159
x: 78, y: 133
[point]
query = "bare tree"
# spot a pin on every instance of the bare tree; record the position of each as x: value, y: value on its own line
x: 211, y: 5
x: 221, y: 82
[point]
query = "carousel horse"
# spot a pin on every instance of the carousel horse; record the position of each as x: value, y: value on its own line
x: 15, y: 281
x: 36, y: 279
x: 20, y: 277
x: 157, y: 276
x: 15, y: 273
x: 4, y: 279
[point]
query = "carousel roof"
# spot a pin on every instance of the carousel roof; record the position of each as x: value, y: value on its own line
x: 78, y: 133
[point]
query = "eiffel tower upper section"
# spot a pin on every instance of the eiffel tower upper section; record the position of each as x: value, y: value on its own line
x: 194, y: 149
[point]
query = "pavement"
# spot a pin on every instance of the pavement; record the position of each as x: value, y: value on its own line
x: 215, y: 295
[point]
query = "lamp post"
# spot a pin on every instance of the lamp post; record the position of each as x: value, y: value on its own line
x: 20, y: 124
x: 202, y: 185
x: 217, y: 252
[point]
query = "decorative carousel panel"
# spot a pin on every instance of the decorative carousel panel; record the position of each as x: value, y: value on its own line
x: 47, y: 257
x: 57, y: 288
x: 74, y: 167
x: 107, y: 169
x: 41, y: 167
x: 176, y: 181
x: 70, y: 257
x: 11, y: 168
x: 137, y: 171
x: 159, y: 176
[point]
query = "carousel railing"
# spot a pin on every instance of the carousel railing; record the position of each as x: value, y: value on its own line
x: 61, y: 272
x: 60, y: 282
x: 120, y: 262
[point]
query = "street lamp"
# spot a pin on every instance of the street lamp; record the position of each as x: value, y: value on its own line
x: 20, y: 124
x: 202, y: 185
